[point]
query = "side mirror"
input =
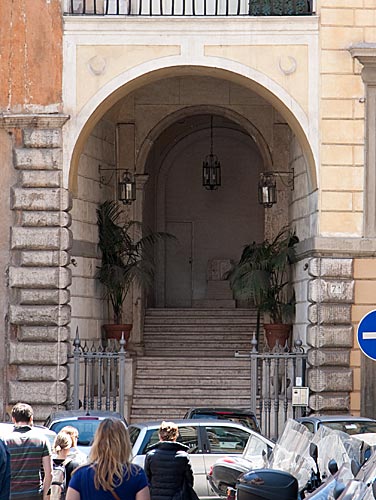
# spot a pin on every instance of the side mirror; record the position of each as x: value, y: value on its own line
x: 333, y: 467
x: 355, y: 467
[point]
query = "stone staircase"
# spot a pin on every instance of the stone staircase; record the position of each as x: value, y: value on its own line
x: 190, y: 361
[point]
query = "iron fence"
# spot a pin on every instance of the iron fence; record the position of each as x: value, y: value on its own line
x: 189, y: 7
x: 273, y: 375
x: 98, y: 377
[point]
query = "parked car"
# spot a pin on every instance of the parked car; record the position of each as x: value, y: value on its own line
x: 207, y: 439
x: 345, y: 423
x: 86, y: 422
x: 7, y: 427
x: 241, y: 416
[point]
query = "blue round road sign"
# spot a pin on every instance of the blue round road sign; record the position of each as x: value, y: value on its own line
x: 367, y: 334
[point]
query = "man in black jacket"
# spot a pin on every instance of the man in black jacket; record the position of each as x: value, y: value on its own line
x: 167, y: 466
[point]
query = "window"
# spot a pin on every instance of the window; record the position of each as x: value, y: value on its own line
x: 226, y: 439
x: 187, y: 436
x: 134, y: 432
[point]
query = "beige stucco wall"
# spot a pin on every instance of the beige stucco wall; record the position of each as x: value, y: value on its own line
x: 365, y: 293
x: 88, y: 308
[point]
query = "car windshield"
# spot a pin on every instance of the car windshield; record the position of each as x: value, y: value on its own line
x: 352, y: 426
x: 86, y: 429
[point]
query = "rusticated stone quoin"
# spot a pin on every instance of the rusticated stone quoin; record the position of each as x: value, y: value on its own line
x: 40, y: 315
x: 43, y: 179
x: 38, y: 392
x: 320, y: 290
x: 41, y: 238
x: 327, y: 379
x: 44, y: 219
x: 330, y: 314
x: 43, y: 333
x: 44, y: 297
x: 330, y: 336
x: 329, y: 357
x: 330, y: 401
x: 38, y: 159
x: 44, y: 258
x: 39, y: 278
x: 40, y: 199
x: 331, y: 268
x: 32, y: 277
x: 42, y: 373
x: 26, y: 353
x: 330, y: 333
x: 42, y: 138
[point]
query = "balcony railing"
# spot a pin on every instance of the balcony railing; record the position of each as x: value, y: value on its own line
x: 189, y: 7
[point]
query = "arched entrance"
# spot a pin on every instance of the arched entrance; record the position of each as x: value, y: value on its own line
x: 209, y: 225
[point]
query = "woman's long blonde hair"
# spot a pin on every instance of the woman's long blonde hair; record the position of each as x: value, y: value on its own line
x: 110, y: 453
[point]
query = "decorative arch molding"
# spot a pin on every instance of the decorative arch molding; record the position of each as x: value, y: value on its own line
x: 79, y: 127
x: 233, y: 116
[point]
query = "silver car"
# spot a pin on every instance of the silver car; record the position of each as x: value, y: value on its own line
x: 207, y: 439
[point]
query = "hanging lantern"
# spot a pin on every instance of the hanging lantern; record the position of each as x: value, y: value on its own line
x: 127, y: 189
x: 267, y: 189
x: 211, y: 166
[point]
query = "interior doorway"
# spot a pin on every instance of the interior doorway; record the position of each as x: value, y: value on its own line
x: 179, y: 262
x: 209, y: 225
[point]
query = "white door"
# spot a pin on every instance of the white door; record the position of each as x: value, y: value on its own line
x: 179, y: 264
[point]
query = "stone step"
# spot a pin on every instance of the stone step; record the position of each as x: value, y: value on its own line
x: 194, y: 320
x: 190, y: 312
x: 190, y: 361
x: 215, y: 303
x: 210, y: 363
x: 144, y: 380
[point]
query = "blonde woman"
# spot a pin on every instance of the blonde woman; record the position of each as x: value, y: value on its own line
x: 109, y: 473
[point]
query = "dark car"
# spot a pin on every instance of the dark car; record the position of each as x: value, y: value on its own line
x: 86, y: 422
x: 345, y: 423
x: 240, y: 416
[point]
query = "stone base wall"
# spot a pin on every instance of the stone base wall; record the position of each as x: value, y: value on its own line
x: 39, y: 273
x: 330, y: 333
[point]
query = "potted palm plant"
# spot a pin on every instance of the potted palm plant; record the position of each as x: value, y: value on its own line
x: 262, y: 277
x: 125, y: 259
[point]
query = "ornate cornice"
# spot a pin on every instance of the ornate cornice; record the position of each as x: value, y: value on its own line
x: 29, y: 120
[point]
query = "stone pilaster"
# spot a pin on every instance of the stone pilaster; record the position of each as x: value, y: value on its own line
x: 39, y: 276
x: 330, y: 333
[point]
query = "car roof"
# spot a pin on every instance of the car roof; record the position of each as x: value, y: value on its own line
x: 72, y: 414
x: 334, y: 418
x: 190, y: 421
x: 203, y: 409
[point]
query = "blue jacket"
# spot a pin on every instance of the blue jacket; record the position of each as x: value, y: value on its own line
x: 4, y: 472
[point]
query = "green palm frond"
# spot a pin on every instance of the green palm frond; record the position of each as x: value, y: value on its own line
x: 127, y: 254
x: 262, y: 275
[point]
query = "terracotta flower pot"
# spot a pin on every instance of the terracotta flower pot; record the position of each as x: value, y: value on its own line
x: 277, y: 332
x: 113, y: 331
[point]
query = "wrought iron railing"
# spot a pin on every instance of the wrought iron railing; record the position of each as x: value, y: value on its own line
x: 98, y: 378
x: 274, y: 374
x: 189, y: 7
